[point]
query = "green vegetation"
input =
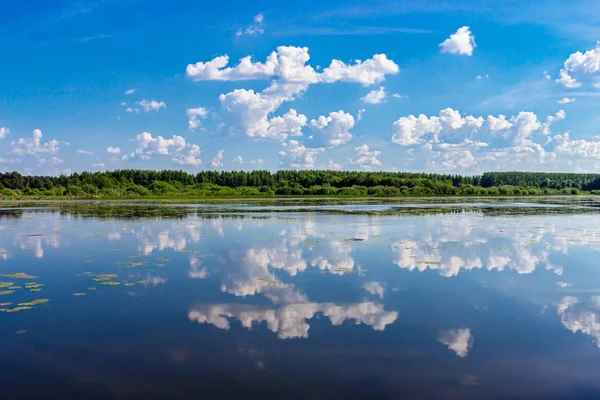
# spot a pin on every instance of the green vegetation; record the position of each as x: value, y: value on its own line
x: 180, y: 184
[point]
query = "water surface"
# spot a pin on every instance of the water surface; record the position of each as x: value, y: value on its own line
x: 144, y: 301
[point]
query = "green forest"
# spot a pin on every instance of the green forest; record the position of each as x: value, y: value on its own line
x: 131, y: 183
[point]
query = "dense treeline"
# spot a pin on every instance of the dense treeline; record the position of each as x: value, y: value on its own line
x: 131, y: 183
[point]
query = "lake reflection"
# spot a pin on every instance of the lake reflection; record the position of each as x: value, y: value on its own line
x: 285, y: 304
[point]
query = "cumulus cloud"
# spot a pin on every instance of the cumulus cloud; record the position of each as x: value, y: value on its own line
x: 333, y: 130
x: 195, y: 115
x: 130, y: 91
x: 251, y: 113
x: 218, y: 158
x: 240, y: 160
x: 479, y: 77
x: 451, y: 131
x: 83, y: 151
x: 180, y: 151
x: 566, y: 100
x: 113, y: 150
x: 366, y: 158
x: 98, y: 165
x: 151, y: 105
x: 298, y: 155
x: 375, y: 96
x: 4, y: 132
x: 462, y: 42
x: 331, y: 165
x: 34, y: 146
x: 580, y: 66
x: 255, y: 29
x: 458, y: 340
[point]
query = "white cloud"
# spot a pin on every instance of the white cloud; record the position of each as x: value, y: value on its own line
x: 580, y: 64
x: 412, y: 130
x: 218, y: 158
x: 195, y: 115
x: 547, y: 76
x: 98, y: 165
x: 132, y: 110
x: 333, y: 130
x: 130, y: 91
x: 366, y: 158
x: 399, y: 96
x: 49, y: 161
x: 334, y: 166
x: 4, y: 132
x: 256, y: 29
x: 458, y: 340
x: 299, y: 156
x: 462, y: 42
x: 113, y: 150
x: 375, y: 96
x: 359, y: 114
x: 83, y: 151
x: 190, y: 156
x: 149, y: 145
x: 479, y: 77
x: 151, y: 105
x: 374, y: 288
x: 250, y: 112
x: 581, y: 148
x: 34, y: 145
x: 240, y: 160
x: 288, y: 64
x: 566, y: 100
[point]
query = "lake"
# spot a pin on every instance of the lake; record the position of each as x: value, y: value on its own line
x: 301, y: 300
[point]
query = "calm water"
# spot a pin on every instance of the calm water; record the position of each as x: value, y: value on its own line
x: 202, y: 302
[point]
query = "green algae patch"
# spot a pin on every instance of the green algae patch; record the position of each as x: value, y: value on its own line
x: 111, y: 283
x: 18, y: 275
x: 79, y: 294
x: 6, y: 284
x: 5, y: 292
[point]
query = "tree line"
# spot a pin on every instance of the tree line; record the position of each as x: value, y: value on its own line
x: 133, y: 182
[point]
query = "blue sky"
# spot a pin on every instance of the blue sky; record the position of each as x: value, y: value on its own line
x: 486, y: 77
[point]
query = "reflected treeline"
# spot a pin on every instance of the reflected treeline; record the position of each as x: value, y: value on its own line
x: 133, y: 211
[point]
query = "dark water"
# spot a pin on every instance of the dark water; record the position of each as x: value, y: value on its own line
x: 320, y: 303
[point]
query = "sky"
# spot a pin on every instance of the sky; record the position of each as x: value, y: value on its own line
x: 421, y: 86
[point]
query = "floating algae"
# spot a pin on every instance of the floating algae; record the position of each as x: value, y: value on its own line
x: 78, y: 294
x: 111, y: 283
x: 16, y: 309
x: 159, y: 265
x: 348, y: 270
x: 269, y: 281
x: 129, y: 284
x: 19, y: 275
x: 33, y: 285
x: 34, y: 303
x: 135, y: 264
x: 91, y: 288
x: 6, y: 284
x: 102, y: 278
x: 14, y: 287
x: 5, y: 304
x: 144, y: 281
x: 3, y: 292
